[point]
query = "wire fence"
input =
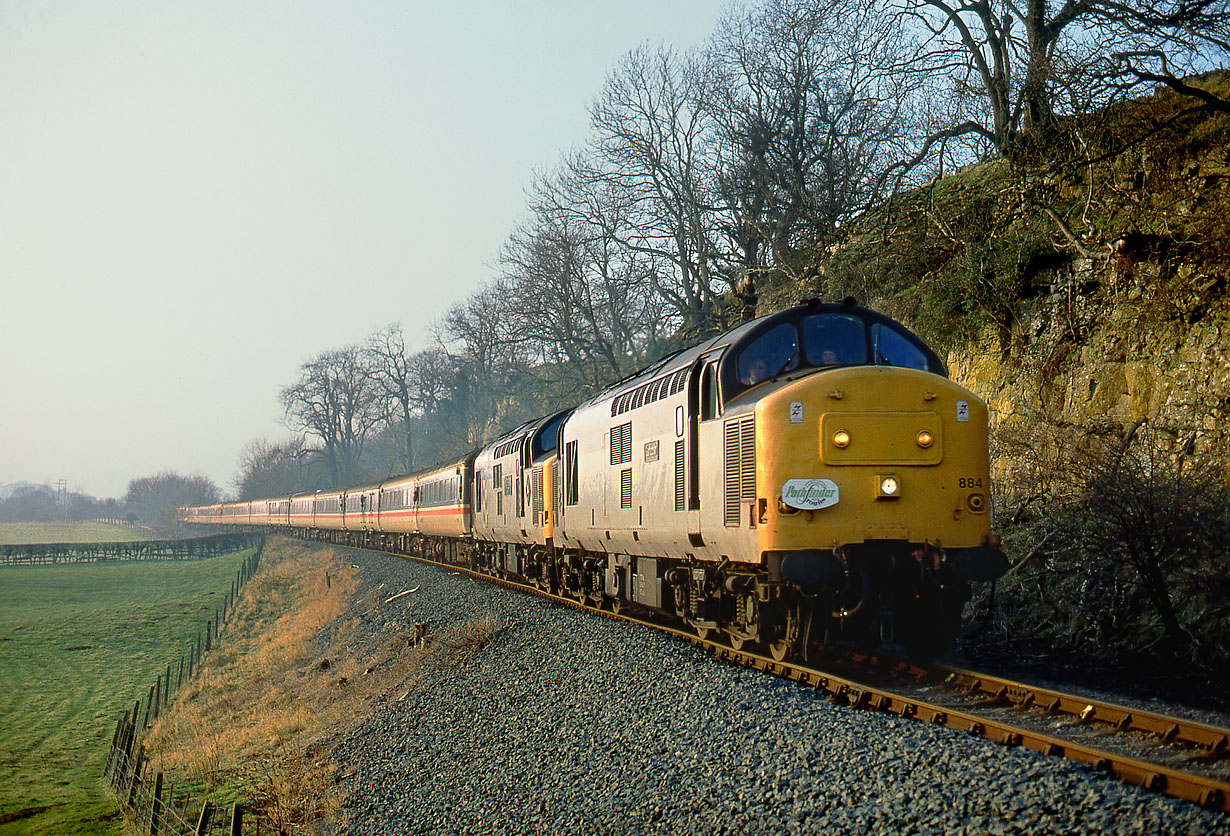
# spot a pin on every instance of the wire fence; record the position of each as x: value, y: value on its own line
x: 149, y: 802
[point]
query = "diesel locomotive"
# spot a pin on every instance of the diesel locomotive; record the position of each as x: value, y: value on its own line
x: 810, y: 477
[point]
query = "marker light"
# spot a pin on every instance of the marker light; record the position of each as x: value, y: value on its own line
x: 925, y: 439
x: 889, y: 486
x: 841, y: 438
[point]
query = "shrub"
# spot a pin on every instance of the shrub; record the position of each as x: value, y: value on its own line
x: 1124, y: 551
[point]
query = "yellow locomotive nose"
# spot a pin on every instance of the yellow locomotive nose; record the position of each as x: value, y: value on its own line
x: 902, y: 453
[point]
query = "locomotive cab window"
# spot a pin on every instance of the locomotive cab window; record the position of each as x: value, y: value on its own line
x: 772, y: 353
x: 835, y: 340
x: 546, y: 441
x: 893, y: 349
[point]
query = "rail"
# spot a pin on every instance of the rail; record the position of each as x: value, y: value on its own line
x: 1201, y: 789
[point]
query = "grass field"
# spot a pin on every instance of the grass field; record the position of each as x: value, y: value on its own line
x: 67, y: 532
x: 79, y: 644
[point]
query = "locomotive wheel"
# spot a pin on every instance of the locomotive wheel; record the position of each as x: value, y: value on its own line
x: 736, y: 642
x: 780, y: 649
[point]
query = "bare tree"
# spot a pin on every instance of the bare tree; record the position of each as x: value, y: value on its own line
x: 811, y: 113
x: 42, y: 503
x: 391, y: 371
x: 652, y: 156
x: 155, y: 500
x: 335, y: 400
x: 583, y: 301
x: 1011, y: 63
x: 487, y: 358
x: 275, y: 469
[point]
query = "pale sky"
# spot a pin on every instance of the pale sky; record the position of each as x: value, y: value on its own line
x: 198, y: 196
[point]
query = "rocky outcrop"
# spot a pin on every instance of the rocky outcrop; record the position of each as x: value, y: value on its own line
x: 1109, y: 347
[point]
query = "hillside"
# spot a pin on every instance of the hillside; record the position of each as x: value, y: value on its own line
x: 1085, y: 293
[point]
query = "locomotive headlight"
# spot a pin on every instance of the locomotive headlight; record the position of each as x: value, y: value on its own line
x: 925, y: 439
x: 841, y: 438
x: 889, y: 487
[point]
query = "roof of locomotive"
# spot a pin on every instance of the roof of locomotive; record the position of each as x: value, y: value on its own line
x: 687, y: 356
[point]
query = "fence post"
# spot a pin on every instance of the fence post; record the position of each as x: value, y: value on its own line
x: 179, y: 679
x: 148, y: 702
x: 115, y: 742
x: 236, y: 819
x: 166, y: 685
x: 135, y: 783
x: 155, y: 816
x: 156, y: 702
x: 130, y: 736
x: 202, y: 824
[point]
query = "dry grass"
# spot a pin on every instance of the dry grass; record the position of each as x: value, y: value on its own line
x: 249, y: 726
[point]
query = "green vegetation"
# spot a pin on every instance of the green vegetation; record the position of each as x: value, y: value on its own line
x: 78, y: 645
x: 1127, y: 205
x: 68, y: 532
x: 1092, y: 260
x: 1121, y: 555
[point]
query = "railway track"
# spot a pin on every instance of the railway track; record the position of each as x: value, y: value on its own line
x: 1017, y: 714
x: 1170, y: 755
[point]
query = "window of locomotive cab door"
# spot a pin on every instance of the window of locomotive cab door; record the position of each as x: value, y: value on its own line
x: 709, y: 394
x: 572, y: 495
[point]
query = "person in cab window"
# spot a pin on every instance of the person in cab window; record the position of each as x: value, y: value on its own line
x: 756, y: 372
x: 828, y: 357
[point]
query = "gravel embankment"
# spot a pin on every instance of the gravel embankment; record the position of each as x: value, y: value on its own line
x: 569, y: 723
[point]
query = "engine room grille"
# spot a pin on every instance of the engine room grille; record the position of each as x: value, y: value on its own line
x: 537, y: 501
x: 621, y: 444
x: 625, y: 488
x: 679, y: 476
x: 739, y: 455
